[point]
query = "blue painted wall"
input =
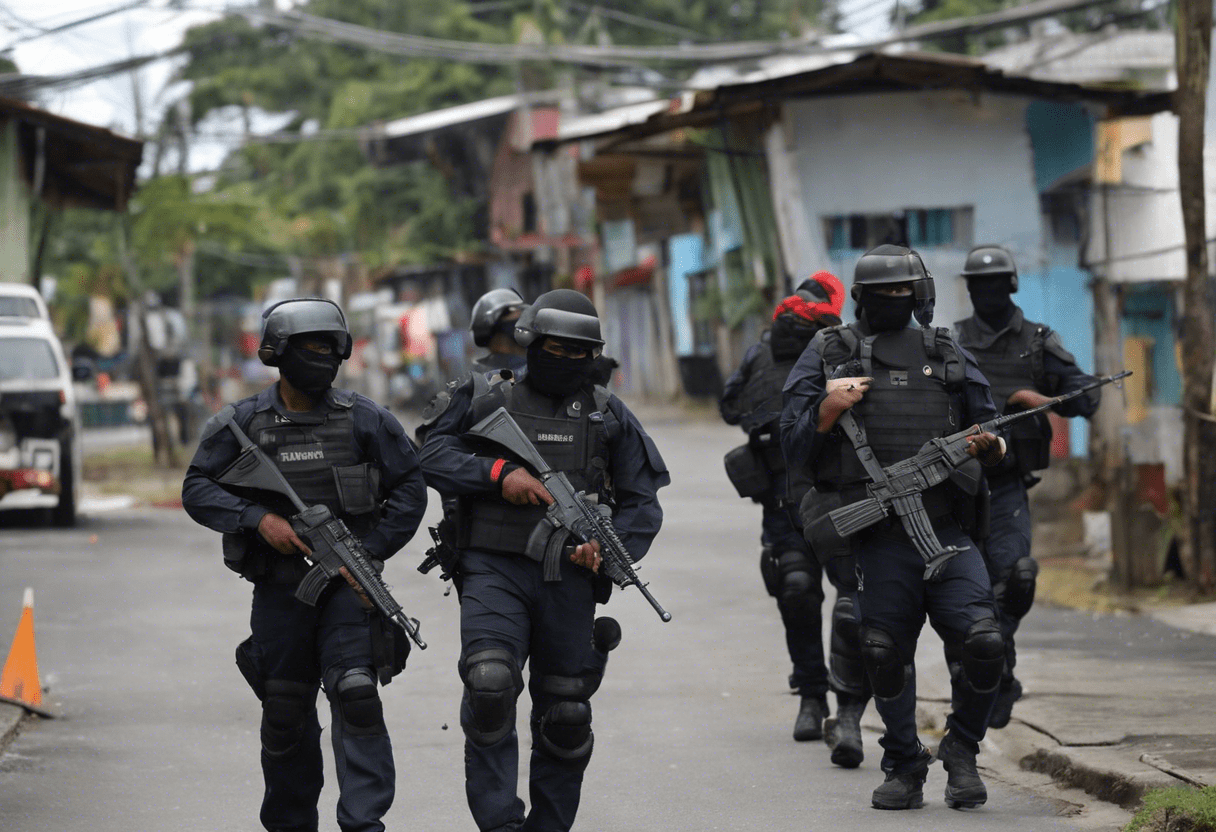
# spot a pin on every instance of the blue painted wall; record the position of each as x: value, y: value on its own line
x: 1148, y: 311
x: 686, y: 255
x: 1062, y: 136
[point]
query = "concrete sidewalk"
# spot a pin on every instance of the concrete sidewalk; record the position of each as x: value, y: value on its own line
x: 1114, y: 704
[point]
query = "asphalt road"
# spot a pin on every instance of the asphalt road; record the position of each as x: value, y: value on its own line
x: 137, y: 620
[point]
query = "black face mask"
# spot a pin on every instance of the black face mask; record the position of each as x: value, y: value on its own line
x: 990, y: 297
x: 309, y: 372
x: 791, y: 333
x: 887, y: 312
x: 555, y: 376
x: 504, y: 327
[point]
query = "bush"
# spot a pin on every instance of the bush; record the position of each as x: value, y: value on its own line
x: 1176, y: 810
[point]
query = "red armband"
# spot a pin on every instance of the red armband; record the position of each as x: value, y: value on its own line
x: 496, y: 471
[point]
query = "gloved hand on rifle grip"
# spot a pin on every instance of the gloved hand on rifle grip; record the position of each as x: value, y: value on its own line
x: 988, y: 448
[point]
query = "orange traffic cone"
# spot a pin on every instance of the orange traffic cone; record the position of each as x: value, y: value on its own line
x: 19, y: 681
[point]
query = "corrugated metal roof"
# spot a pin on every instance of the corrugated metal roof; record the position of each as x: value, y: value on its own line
x: 86, y: 166
x: 1087, y: 57
x: 462, y: 114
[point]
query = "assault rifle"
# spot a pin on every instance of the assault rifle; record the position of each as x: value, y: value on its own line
x: 570, y: 510
x: 333, y: 546
x: 899, y: 487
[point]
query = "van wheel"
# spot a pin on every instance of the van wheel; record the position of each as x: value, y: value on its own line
x: 64, y: 514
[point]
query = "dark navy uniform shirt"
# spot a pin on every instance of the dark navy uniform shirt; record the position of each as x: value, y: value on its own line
x: 806, y: 388
x: 1071, y: 377
x: 452, y: 466
x: 728, y: 404
x: 381, y: 439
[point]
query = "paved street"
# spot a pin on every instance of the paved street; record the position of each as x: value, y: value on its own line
x: 137, y: 621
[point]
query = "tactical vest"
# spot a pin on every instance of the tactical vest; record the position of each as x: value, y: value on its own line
x: 318, y: 454
x: 570, y: 434
x: 760, y: 398
x: 1014, y: 361
x: 910, y: 401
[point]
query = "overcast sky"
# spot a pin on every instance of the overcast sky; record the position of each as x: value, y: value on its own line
x: 157, y: 26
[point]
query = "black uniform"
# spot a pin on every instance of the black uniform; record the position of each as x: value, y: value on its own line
x: 1022, y: 355
x: 353, y: 456
x: 513, y: 609
x: 752, y: 400
x: 492, y: 362
x: 924, y: 386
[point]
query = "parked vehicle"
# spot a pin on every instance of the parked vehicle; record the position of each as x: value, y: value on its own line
x: 40, y: 459
x: 19, y: 300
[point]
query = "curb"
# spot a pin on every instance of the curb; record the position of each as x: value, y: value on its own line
x: 11, y: 719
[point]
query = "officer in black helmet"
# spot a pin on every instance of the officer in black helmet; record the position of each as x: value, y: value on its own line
x: 511, y: 610
x: 1026, y: 364
x: 751, y: 399
x: 342, y: 450
x: 492, y: 323
x: 904, y: 386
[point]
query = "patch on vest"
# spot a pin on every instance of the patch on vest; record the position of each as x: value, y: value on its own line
x: 899, y: 378
x: 566, y: 438
x: 301, y: 453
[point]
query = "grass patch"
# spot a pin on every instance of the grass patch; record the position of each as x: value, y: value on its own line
x: 1176, y: 809
x: 133, y: 471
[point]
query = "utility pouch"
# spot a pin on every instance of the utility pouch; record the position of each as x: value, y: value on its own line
x: 769, y: 571
x: 358, y: 488
x: 243, y: 556
x: 1030, y: 441
x: 246, y: 662
x: 747, y: 472
x: 603, y: 587
x: 390, y: 648
x: 820, y: 532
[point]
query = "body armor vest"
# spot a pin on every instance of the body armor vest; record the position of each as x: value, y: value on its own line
x: 572, y: 437
x: 318, y: 455
x: 909, y: 402
x: 760, y: 398
x: 1012, y: 362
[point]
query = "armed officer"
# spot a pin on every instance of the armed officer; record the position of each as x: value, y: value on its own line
x: 752, y: 400
x: 904, y: 386
x: 342, y: 450
x: 514, y: 609
x: 1026, y: 363
x: 493, y: 325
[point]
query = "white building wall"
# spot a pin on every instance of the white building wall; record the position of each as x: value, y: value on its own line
x: 892, y: 151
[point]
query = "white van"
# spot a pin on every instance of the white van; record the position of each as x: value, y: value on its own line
x: 20, y: 300
x: 40, y: 460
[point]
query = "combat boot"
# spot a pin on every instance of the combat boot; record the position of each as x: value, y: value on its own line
x: 842, y: 732
x: 964, y: 788
x: 1002, y: 710
x: 904, y: 790
x: 809, y: 723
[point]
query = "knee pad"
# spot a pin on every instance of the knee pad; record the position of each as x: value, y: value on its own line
x: 565, y: 731
x: 983, y: 655
x: 1016, y: 595
x: 358, y: 702
x: 886, y: 668
x: 494, y: 682
x: 285, y: 712
x: 846, y: 671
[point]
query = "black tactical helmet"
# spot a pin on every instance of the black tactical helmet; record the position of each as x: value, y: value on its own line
x: 561, y: 313
x: 489, y: 308
x: 297, y: 316
x: 812, y: 291
x: 896, y: 264
x: 983, y: 261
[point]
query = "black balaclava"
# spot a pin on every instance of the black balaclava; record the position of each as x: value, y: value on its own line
x: 504, y: 326
x: 553, y: 375
x: 886, y: 313
x: 990, y: 296
x: 791, y: 333
x: 309, y: 372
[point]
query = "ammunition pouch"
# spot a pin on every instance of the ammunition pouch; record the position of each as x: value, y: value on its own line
x: 358, y: 488
x: 972, y: 501
x: 247, y: 662
x: 747, y: 472
x: 1030, y: 443
x: 245, y: 555
x: 820, y: 532
x: 390, y: 648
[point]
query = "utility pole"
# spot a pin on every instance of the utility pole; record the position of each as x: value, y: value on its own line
x: 1194, y: 46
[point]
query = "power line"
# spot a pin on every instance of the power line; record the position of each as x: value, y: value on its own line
x: 79, y: 22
